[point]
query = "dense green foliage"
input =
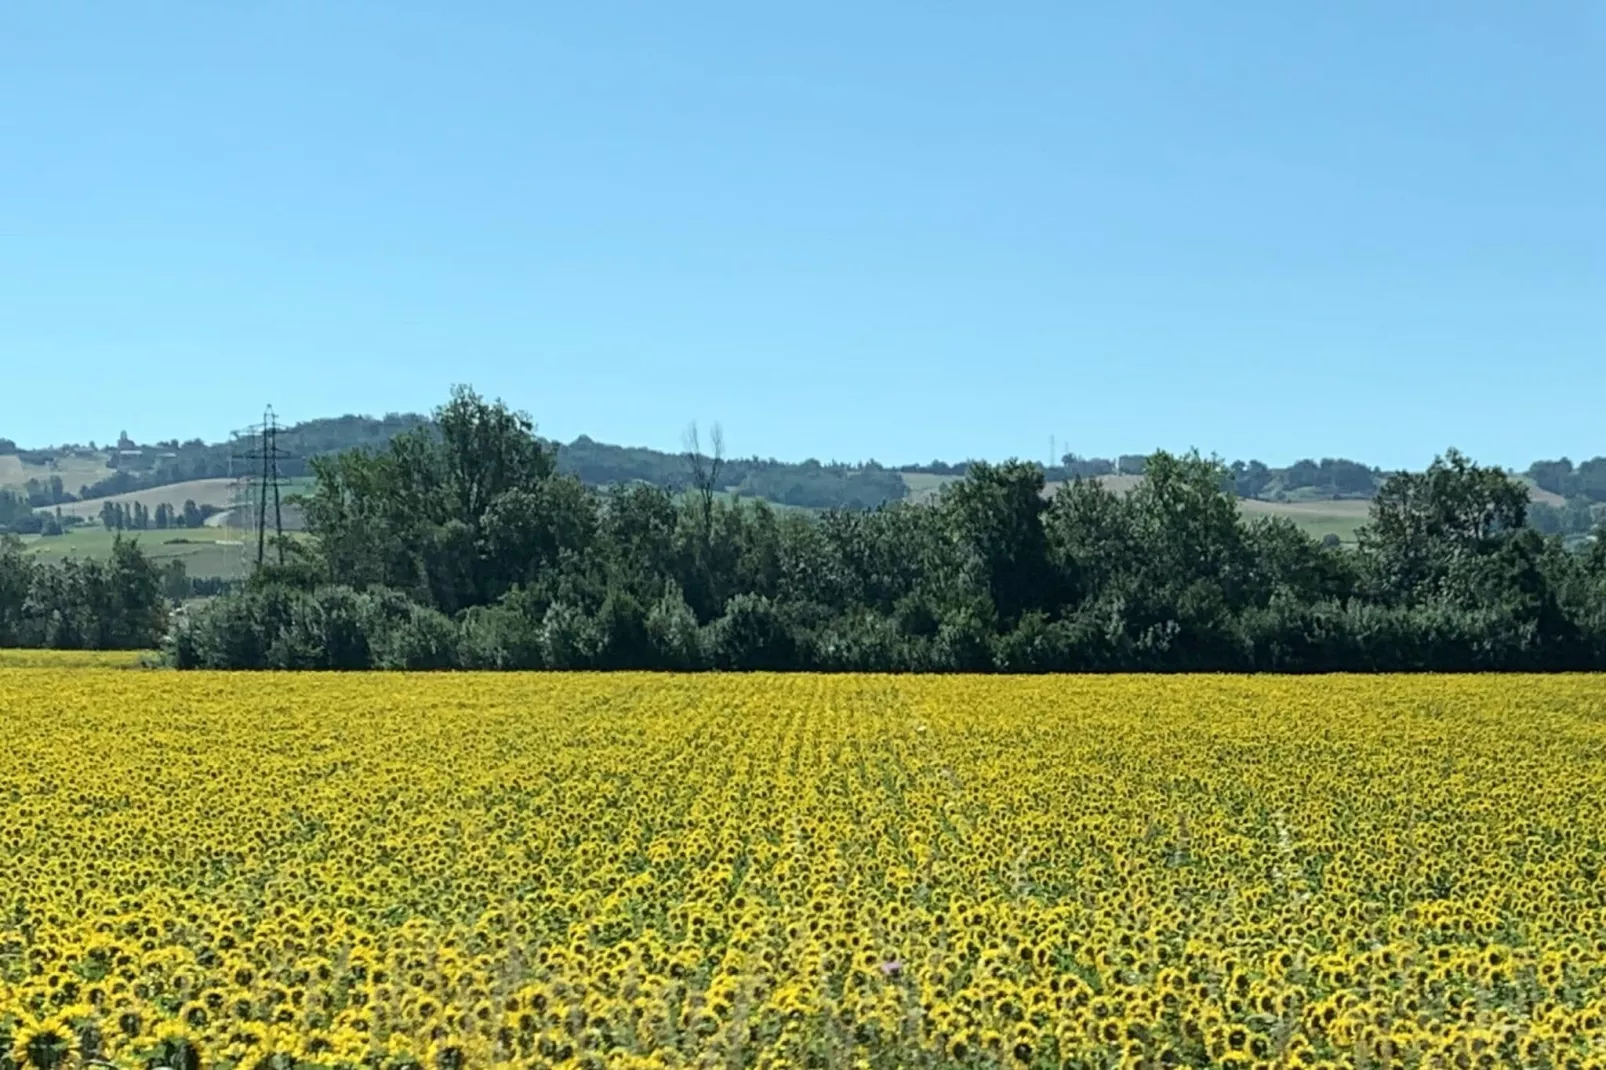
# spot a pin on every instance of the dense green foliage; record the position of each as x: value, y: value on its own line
x: 116, y: 604
x: 16, y: 513
x: 466, y: 544
x: 1573, y: 519
x: 1583, y: 488
x: 1328, y: 478
x: 1586, y: 481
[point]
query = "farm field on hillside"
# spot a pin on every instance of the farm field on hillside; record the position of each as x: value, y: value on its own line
x: 206, y: 552
x: 214, y: 492
x: 632, y: 870
x: 76, y: 470
x: 1342, y: 517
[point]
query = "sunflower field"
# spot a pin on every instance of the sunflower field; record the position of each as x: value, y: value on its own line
x: 633, y: 870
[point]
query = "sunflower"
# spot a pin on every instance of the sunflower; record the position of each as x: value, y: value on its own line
x: 178, y: 1047
x: 49, y: 1043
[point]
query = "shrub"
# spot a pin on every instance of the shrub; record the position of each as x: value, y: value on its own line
x: 673, y: 636
x: 752, y: 635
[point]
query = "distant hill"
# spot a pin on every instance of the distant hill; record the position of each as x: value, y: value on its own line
x: 1326, y: 495
x: 806, y: 484
x: 64, y: 475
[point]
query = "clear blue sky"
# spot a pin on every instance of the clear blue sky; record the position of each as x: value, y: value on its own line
x: 899, y: 230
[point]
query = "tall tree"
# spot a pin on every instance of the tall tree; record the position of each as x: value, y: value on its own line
x: 996, y: 516
x: 1426, y: 527
x: 705, y: 470
x: 440, y: 511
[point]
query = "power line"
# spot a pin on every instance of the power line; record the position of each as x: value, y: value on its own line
x: 261, y: 480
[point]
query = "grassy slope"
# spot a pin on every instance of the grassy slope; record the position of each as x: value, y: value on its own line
x: 215, y: 492
x: 924, y: 487
x: 75, y: 472
x: 206, y: 552
x: 1317, y: 518
x: 1537, y: 494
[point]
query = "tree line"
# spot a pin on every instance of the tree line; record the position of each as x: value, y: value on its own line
x: 120, y: 603
x: 462, y: 543
x: 137, y: 516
